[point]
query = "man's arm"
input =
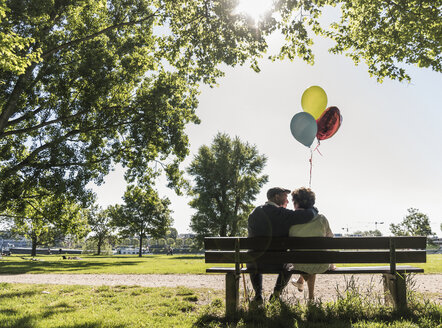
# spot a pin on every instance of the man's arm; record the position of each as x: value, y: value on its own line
x: 299, y: 216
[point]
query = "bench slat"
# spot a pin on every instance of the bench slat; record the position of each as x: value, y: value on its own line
x: 343, y: 270
x: 282, y: 243
x: 410, y: 256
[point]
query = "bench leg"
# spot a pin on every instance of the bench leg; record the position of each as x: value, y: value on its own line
x: 395, y: 290
x: 232, y: 295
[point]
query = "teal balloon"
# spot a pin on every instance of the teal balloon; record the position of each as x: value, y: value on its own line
x: 304, y: 128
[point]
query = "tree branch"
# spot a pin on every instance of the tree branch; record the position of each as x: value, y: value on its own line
x: 92, y: 36
x: 41, y: 125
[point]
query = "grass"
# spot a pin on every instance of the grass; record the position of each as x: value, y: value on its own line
x: 49, y: 306
x: 36, y: 306
x: 130, y: 264
x: 433, y: 264
x: 117, y: 264
x: 353, y: 308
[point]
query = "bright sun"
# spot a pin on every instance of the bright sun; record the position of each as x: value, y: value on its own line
x: 254, y: 8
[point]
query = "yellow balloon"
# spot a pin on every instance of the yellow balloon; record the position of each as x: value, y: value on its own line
x: 314, y: 101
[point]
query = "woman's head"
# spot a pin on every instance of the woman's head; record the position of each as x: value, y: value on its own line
x: 303, y: 198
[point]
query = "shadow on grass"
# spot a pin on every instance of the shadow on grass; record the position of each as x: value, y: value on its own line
x: 97, y: 324
x: 13, y: 318
x: 16, y: 319
x: 30, y: 321
x: 26, y: 321
x: 19, y: 267
x: 52, y: 310
x: 17, y: 294
x: 195, y: 257
x: 9, y: 311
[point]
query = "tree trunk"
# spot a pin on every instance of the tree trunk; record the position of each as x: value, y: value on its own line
x: 34, y: 245
x: 100, y: 241
x: 140, y: 251
x: 223, y: 230
x: 234, y: 231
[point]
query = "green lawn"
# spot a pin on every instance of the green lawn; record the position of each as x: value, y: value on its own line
x: 50, y: 306
x: 130, y: 264
x: 118, y: 264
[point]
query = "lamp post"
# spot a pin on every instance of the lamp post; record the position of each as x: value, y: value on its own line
x: 376, y: 224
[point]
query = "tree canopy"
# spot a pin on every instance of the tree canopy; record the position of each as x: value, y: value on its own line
x: 87, y: 84
x: 368, y: 233
x: 143, y: 213
x: 13, y: 56
x: 101, y: 227
x: 414, y: 223
x: 227, y: 178
x: 44, y: 218
x: 386, y: 34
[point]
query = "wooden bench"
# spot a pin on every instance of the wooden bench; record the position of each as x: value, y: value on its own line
x: 337, y: 250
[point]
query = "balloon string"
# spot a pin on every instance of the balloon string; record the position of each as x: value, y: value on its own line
x: 317, y: 148
x: 311, y: 166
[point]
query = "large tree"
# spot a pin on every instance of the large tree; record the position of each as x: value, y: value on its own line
x: 227, y: 178
x: 99, y: 82
x: 415, y: 223
x: 386, y: 34
x: 44, y: 218
x: 101, y: 227
x: 143, y: 213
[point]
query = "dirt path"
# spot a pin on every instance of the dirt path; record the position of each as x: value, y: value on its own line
x: 326, y: 285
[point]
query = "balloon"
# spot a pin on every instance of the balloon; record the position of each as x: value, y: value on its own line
x: 304, y: 128
x: 314, y: 101
x: 328, y: 123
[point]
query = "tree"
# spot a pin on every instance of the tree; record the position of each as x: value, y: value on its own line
x: 414, y: 223
x: 44, y: 218
x: 172, y: 233
x: 226, y: 181
x: 100, y: 225
x: 179, y: 242
x: 13, y: 57
x: 387, y: 34
x: 143, y: 213
x: 368, y: 233
x: 94, y: 83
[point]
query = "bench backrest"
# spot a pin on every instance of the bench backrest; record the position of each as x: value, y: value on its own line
x: 277, y: 250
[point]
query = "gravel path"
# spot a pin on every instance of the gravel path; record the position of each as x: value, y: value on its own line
x: 326, y: 285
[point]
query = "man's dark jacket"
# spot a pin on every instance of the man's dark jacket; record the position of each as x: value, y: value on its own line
x: 271, y: 220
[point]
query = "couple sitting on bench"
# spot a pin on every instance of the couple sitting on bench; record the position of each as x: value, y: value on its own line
x: 274, y: 219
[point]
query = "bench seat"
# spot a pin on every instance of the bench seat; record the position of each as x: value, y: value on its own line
x: 339, y: 270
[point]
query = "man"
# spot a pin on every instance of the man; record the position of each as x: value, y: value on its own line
x: 274, y: 219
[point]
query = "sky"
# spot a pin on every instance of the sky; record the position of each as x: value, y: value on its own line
x: 385, y: 158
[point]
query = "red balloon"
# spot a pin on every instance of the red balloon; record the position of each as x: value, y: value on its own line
x: 328, y: 123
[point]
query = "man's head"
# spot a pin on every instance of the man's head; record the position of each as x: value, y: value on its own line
x: 303, y: 198
x: 278, y: 196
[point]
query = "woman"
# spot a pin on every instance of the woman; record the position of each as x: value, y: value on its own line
x: 317, y: 227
